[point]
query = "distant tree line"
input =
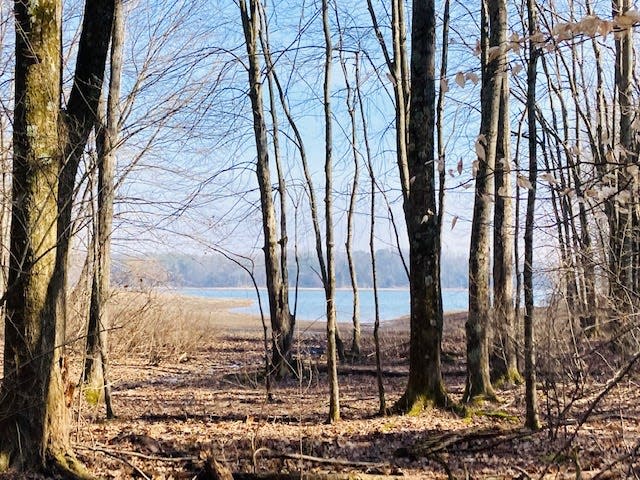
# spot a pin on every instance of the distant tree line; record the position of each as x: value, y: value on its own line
x: 202, y: 271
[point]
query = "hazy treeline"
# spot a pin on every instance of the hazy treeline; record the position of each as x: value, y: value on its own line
x: 183, y: 270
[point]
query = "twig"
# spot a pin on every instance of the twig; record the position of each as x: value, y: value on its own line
x: 119, y: 458
x: 310, y: 458
x: 110, y: 451
x: 522, y: 471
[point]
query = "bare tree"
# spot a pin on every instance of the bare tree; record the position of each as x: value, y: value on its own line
x: 281, y: 318
x: 330, y: 285
x: 529, y: 335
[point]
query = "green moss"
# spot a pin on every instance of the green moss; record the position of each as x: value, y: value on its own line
x: 499, y: 414
x: 93, y: 395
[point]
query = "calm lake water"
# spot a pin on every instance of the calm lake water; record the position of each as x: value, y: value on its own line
x: 393, y: 303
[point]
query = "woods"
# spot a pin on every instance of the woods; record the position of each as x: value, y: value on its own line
x: 326, y: 145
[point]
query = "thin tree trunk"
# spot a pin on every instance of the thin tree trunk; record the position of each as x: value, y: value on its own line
x: 620, y: 225
x: 478, y: 385
x: 282, y: 186
x: 350, y: 103
x: 440, y: 117
x: 531, y: 399
x: 372, y: 251
x: 281, y: 319
x: 503, y: 246
x: 330, y: 286
x: 96, y: 374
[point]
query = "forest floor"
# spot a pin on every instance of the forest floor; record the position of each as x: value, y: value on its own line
x: 191, y: 394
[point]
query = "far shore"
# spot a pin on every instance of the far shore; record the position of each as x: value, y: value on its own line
x: 221, y: 313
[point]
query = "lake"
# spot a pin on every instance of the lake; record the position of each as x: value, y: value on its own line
x: 394, y: 303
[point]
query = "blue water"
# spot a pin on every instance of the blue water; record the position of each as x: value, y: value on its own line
x: 311, y: 305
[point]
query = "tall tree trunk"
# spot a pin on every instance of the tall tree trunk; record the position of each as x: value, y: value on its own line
x: 330, y: 286
x: 503, y: 246
x: 444, y: 60
x: 96, y: 374
x: 478, y: 385
x: 48, y: 144
x: 351, y: 108
x: 621, y: 243
x: 531, y: 400
x: 277, y: 291
x: 425, y: 386
x: 372, y: 251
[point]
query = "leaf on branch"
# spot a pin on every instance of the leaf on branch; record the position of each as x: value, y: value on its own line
x: 473, y: 78
x: 627, y: 19
x: 441, y: 165
x: 460, y: 79
x: 605, y: 27
x: 624, y: 197
x: 451, y: 173
x: 566, y: 191
x: 516, y: 69
x: 538, y: 37
x: 636, y: 123
x: 478, y: 49
x: 503, y: 191
x: 493, y: 53
x: 391, y: 78
x: 591, y: 192
x: 427, y: 216
x: 412, y: 180
x: 474, y: 168
x: 549, y: 178
x: 514, y: 44
x: 460, y: 166
x: 524, y: 182
x: 590, y: 25
x: 444, y: 85
x: 454, y: 220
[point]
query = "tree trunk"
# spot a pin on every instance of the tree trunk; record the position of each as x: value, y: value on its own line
x: 96, y: 371
x: 531, y: 400
x: 48, y: 143
x: 277, y: 291
x: 372, y: 251
x: 351, y: 108
x: 621, y: 243
x: 504, y: 247
x: 425, y: 386
x: 478, y: 385
x: 330, y: 285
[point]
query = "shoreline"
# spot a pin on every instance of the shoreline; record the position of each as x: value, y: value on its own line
x: 221, y: 313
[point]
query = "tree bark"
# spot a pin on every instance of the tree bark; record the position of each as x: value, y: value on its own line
x: 531, y: 400
x: 96, y: 370
x: 503, y: 245
x: 478, y: 384
x: 621, y: 236
x: 330, y: 285
x: 425, y: 386
x: 48, y: 144
x: 277, y: 291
